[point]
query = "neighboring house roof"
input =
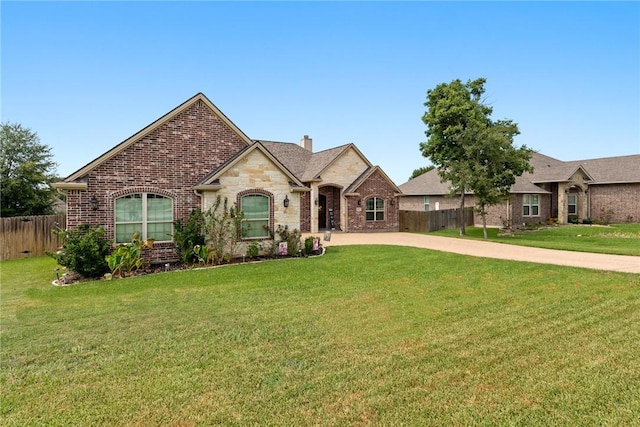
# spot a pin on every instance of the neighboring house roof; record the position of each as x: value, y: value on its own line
x: 428, y: 183
x: 612, y: 170
x: 199, y: 97
x: 607, y: 170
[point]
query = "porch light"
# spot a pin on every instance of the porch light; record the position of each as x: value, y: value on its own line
x: 393, y: 202
x: 359, y: 202
x: 316, y: 201
x: 94, y: 203
x: 286, y: 201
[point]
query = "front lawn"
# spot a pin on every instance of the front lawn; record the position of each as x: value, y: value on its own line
x: 373, y: 335
x: 617, y: 239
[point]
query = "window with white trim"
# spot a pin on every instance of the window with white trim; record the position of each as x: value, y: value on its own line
x: 255, y: 208
x: 374, y: 209
x: 572, y: 205
x: 531, y: 205
x: 150, y: 215
x: 427, y: 203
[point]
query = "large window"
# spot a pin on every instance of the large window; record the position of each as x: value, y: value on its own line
x: 573, y: 204
x: 427, y: 203
x: 374, y: 209
x: 531, y: 205
x: 150, y: 215
x: 255, y: 208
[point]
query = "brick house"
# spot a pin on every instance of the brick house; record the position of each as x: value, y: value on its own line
x: 194, y: 153
x: 575, y: 190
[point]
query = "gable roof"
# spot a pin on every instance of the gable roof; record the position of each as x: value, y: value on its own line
x: 209, y: 181
x: 308, y: 166
x: 607, y: 170
x: 199, y: 97
x: 353, y: 188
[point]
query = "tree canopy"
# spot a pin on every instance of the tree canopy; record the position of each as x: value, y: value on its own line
x: 26, y: 171
x: 422, y: 170
x: 469, y: 149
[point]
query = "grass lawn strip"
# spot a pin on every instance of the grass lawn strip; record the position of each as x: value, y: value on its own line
x: 364, y: 335
x: 616, y: 239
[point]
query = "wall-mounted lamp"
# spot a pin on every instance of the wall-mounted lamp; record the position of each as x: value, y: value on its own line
x: 286, y: 201
x: 359, y: 202
x: 393, y: 202
x: 94, y: 203
x: 316, y: 201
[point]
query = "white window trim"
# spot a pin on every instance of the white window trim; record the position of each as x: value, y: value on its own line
x: 144, y: 220
x: 575, y: 204
x: 530, y: 204
x: 375, y: 210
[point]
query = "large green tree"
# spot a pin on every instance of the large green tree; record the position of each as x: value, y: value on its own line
x: 469, y: 149
x: 420, y: 171
x: 26, y: 172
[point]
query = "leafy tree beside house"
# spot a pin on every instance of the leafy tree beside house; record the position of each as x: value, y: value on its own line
x: 421, y: 170
x: 26, y: 171
x: 469, y: 149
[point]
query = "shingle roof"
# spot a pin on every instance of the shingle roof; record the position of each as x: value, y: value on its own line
x: 304, y: 164
x: 607, y: 170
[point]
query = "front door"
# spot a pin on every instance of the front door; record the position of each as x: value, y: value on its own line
x: 322, y: 212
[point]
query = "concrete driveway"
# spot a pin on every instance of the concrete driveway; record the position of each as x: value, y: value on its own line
x: 621, y: 263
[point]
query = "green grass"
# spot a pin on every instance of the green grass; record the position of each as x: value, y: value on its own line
x: 617, y: 239
x: 361, y: 336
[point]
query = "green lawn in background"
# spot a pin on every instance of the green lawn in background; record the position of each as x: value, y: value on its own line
x: 373, y: 335
x: 617, y: 239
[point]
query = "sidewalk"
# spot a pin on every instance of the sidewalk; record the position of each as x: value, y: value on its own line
x: 620, y: 263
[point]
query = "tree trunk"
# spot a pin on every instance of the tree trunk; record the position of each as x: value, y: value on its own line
x: 461, y: 215
x: 484, y: 224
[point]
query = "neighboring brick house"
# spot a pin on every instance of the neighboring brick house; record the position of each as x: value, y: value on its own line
x: 575, y: 190
x: 194, y: 153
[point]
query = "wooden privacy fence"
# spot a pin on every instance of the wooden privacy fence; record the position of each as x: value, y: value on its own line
x: 24, y: 236
x: 417, y: 221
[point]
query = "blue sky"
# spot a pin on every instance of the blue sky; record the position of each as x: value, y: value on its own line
x: 87, y: 75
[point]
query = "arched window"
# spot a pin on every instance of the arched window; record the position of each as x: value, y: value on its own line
x: 151, y: 215
x: 374, y: 209
x: 255, y: 224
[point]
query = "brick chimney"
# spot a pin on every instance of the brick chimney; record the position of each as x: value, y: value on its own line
x: 307, y: 143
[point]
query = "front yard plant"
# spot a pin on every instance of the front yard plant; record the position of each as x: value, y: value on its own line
x: 83, y: 251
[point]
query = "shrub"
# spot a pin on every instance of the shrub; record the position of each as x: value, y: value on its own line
x: 83, y: 251
x: 253, y: 249
x: 291, y: 237
x: 309, y: 243
x: 223, y: 226
x: 187, y: 236
x: 606, y: 216
x: 127, y: 257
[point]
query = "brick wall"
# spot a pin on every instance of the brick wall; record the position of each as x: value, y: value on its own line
x: 375, y: 186
x: 622, y: 199
x: 171, y: 159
